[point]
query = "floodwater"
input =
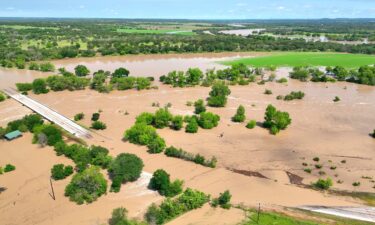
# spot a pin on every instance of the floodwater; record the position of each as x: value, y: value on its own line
x: 138, y: 65
x: 242, y: 32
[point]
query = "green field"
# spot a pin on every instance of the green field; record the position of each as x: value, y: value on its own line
x: 146, y: 31
x: 292, y: 59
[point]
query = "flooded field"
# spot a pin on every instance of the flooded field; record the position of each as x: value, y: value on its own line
x: 320, y: 128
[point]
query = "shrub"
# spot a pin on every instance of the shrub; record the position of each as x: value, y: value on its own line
x: 124, y: 168
x: 316, y: 159
x: 177, y: 122
x: 373, y: 134
x: 1, y: 170
x: 59, y: 171
x: 282, y: 80
x: 294, y: 95
x: 162, y: 118
x: 119, y: 217
x: 251, y: 124
x: 142, y: 83
x: 2, y: 97
x: 47, y: 67
x: 199, y: 106
x: 307, y: 170
x: 86, y: 186
x: 356, y: 184
x: 323, y: 184
x: 318, y: 166
x: 146, y: 118
x: 268, y: 92
x: 39, y: 86
x: 120, y: 72
x: 156, y: 145
x: 9, y: 168
x: 160, y: 182
x: 223, y: 200
x: 34, y: 66
x: 81, y: 71
x: 95, y: 116
x: 208, y: 120
x: 181, y: 154
x: 218, y: 95
x: 79, y: 116
x: 192, y: 126
x: 276, y: 120
x: 140, y: 134
x: 98, y: 125
x: 24, y: 87
x: 336, y: 99
x: 300, y: 73
x: 240, y: 115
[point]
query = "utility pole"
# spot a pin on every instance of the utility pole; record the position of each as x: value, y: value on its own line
x: 53, y: 192
x: 258, y: 213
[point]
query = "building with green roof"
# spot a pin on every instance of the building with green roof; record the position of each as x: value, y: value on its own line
x: 13, y: 135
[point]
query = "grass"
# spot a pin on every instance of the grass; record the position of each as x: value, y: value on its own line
x: 148, y: 31
x: 291, y: 59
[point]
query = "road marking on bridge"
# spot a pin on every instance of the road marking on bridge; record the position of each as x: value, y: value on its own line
x: 49, y: 114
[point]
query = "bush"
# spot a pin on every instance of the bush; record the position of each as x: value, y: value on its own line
x: 119, y: 217
x: 199, y: 106
x: 181, y: 154
x: 1, y: 170
x: 156, y: 145
x: 39, y: 86
x: 240, y: 115
x: 162, y: 118
x: 223, y: 200
x: 98, y: 125
x: 294, y: 95
x: 169, y: 209
x: 268, y: 92
x: 282, y: 80
x: 9, y: 168
x: 373, y: 134
x: 86, y: 186
x: 141, y: 134
x: 47, y: 67
x: 336, y: 99
x: 192, y: 126
x: 120, y: 72
x: 142, y: 83
x: 79, y: 117
x: 218, y: 95
x: 95, y: 116
x: 146, y: 118
x: 208, y: 120
x: 24, y: 87
x: 59, y: 171
x: 160, y: 182
x: 300, y: 73
x: 124, y: 168
x: 177, y: 122
x: 81, y: 71
x: 323, y: 184
x: 34, y: 66
x: 251, y: 124
x: 276, y: 120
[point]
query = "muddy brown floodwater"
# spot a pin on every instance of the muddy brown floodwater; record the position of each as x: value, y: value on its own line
x: 320, y: 128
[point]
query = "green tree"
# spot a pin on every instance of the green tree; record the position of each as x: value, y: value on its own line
x: 39, y: 86
x: 98, y: 125
x: 47, y: 67
x: 208, y: 120
x: 162, y: 118
x: 177, y: 123
x: 218, y: 95
x: 251, y: 124
x: 140, y: 134
x: 146, y: 118
x: 95, y: 116
x: 124, y: 168
x: 199, y: 106
x: 156, y: 145
x: 323, y: 184
x: 79, y: 117
x: 86, y: 186
x: 240, y: 115
x: 223, y: 200
x: 9, y: 168
x: 120, y: 72
x: 192, y: 126
x: 59, y: 171
x: 276, y: 120
x: 160, y: 182
x: 81, y: 71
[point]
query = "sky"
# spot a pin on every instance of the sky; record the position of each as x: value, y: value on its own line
x: 190, y: 9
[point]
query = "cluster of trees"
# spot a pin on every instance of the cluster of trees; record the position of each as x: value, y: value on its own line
x: 198, y: 159
x: 236, y: 74
x: 171, y: 208
x: 218, y: 95
x: 44, y: 67
x: 60, y: 172
x: 103, y: 38
x: 86, y: 186
x: 292, y: 96
x: 47, y: 134
x: 363, y: 75
x: 124, y: 168
x: 161, y: 182
x: 84, y: 156
x: 323, y: 184
x: 27, y: 123
x: 276, y: 120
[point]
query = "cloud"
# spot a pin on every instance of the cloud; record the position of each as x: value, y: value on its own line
x: 10, y: 8
x: 280, y: 7
x: 240, y: 4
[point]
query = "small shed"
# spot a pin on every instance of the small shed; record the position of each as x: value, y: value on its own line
x: 13, y: 135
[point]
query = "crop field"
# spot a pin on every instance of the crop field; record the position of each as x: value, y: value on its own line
x: 146, y: 31
x: 292, y: 59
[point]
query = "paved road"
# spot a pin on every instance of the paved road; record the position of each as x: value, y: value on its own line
x: 358, y: 213
x: 49, y: 114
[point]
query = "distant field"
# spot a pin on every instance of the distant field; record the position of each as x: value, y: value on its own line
x: 20, y: 27
x: 144, y: 31
x: 292, y: 59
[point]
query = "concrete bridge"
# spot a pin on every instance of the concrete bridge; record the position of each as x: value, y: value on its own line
x: 49, y: 114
